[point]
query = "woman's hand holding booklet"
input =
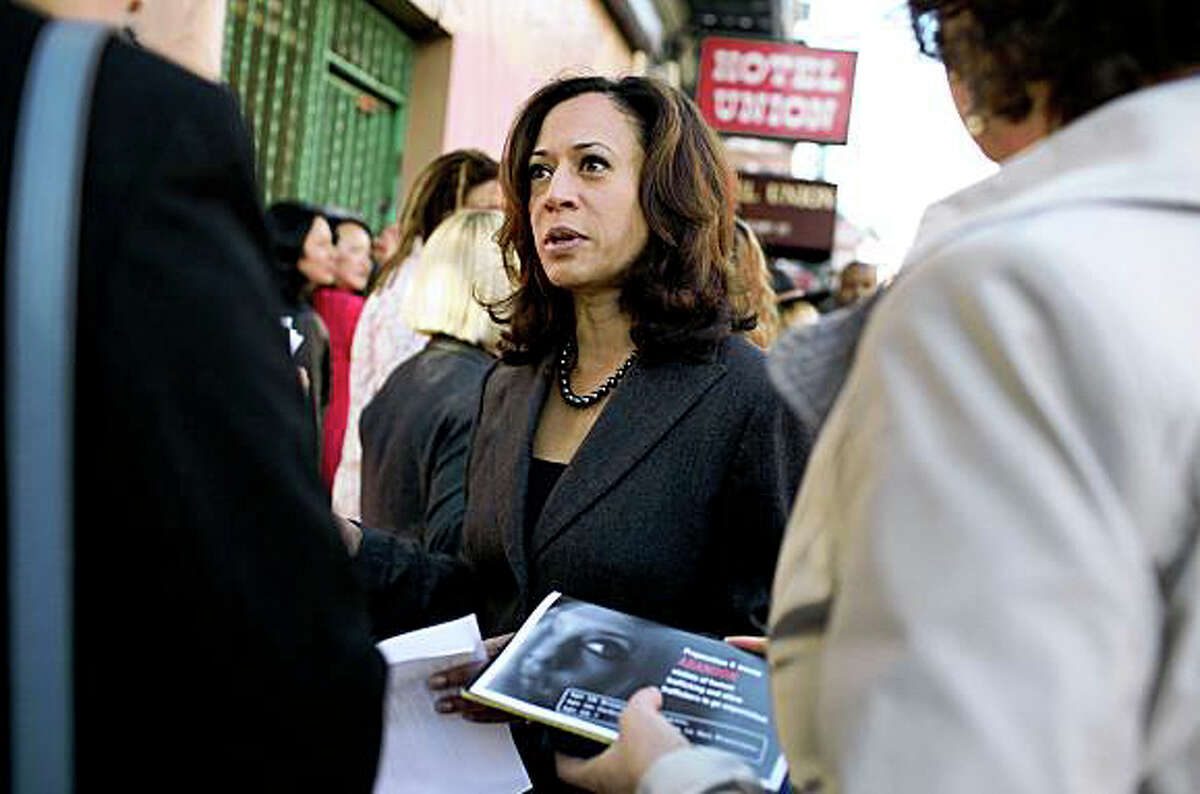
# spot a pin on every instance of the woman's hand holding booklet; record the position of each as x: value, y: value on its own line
x: 452, y: 681
x: 596, y: 673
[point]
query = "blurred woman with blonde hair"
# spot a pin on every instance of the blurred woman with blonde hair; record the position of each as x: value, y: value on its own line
x: 749, y: 282
x: 461, y: 179
x: 414, y: 432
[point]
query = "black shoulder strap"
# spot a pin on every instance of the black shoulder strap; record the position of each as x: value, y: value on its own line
x: 42, y: 251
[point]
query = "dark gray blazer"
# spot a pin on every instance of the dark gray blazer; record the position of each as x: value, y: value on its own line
x: 672, y: 508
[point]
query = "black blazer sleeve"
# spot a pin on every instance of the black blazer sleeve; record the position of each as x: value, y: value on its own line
x: 222, y: 635
x: 409, y: 587
x: 447, y: 499
x: 449, y: 447
x: 761, y: 486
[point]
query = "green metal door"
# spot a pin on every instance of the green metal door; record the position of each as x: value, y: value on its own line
x: 324, y: 86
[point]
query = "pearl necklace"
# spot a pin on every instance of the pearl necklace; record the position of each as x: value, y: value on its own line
x: 566, y: 363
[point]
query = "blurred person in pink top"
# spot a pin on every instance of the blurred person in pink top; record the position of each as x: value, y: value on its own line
x: 340, y: 305
x: 352, y: 255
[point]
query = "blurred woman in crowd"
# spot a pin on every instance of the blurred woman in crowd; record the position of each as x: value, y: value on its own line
x: 856, y: 282
x: 465, y: 178
x: 415, y: 429
x: 352, y: 254
x: 1003, y: 506
x: 339, y: 305
x: 383, y: 247
x: 304, y: 260
x: 795, y: 312
x: 750, y: 290
x: 629, y: 450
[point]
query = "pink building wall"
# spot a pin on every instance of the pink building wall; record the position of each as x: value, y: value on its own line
x: 500, y: 51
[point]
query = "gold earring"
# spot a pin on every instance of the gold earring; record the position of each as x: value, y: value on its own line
x: 976, y: 124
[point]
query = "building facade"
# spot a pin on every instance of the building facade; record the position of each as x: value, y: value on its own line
x: 349, y: 99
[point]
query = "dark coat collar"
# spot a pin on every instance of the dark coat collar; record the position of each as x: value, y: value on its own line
x: 451, y: 344
x: 650, y: 401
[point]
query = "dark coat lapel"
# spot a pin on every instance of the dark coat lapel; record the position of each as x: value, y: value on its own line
x: 639, y: 413
x: 518, y: 403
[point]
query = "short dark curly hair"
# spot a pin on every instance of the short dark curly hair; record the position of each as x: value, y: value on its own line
x: 675, y: 292
x: 1086, y: 51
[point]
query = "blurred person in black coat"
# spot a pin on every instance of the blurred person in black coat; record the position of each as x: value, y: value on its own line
x: 416, y: 431
x: 219, y: 639
x: 304, y: 258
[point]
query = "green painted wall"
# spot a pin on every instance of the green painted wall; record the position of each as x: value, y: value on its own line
x: 324, y: 86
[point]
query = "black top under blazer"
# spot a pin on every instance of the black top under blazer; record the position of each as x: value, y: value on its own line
x: 672, y: 508
x: 220, y: 641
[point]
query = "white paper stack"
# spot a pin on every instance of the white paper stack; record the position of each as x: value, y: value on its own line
x: 428, y: 753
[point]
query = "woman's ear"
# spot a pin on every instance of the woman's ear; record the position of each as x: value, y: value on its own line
x: 964, y: 103
x: 997, y: 137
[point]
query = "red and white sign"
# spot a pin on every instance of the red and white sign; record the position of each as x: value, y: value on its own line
x: 776, y: 89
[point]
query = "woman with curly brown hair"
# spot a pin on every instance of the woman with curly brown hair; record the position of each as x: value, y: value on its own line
x: 628, y: 450
x: 629, y: 446
x: 991, y: 580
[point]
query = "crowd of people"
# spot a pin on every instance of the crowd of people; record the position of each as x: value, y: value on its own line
x: 961, y: 512
x: 349, y: 299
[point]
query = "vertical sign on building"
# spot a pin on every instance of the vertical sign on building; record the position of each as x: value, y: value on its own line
x: 775, y: 89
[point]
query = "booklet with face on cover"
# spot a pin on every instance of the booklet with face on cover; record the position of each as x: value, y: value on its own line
x: 573, y: 665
